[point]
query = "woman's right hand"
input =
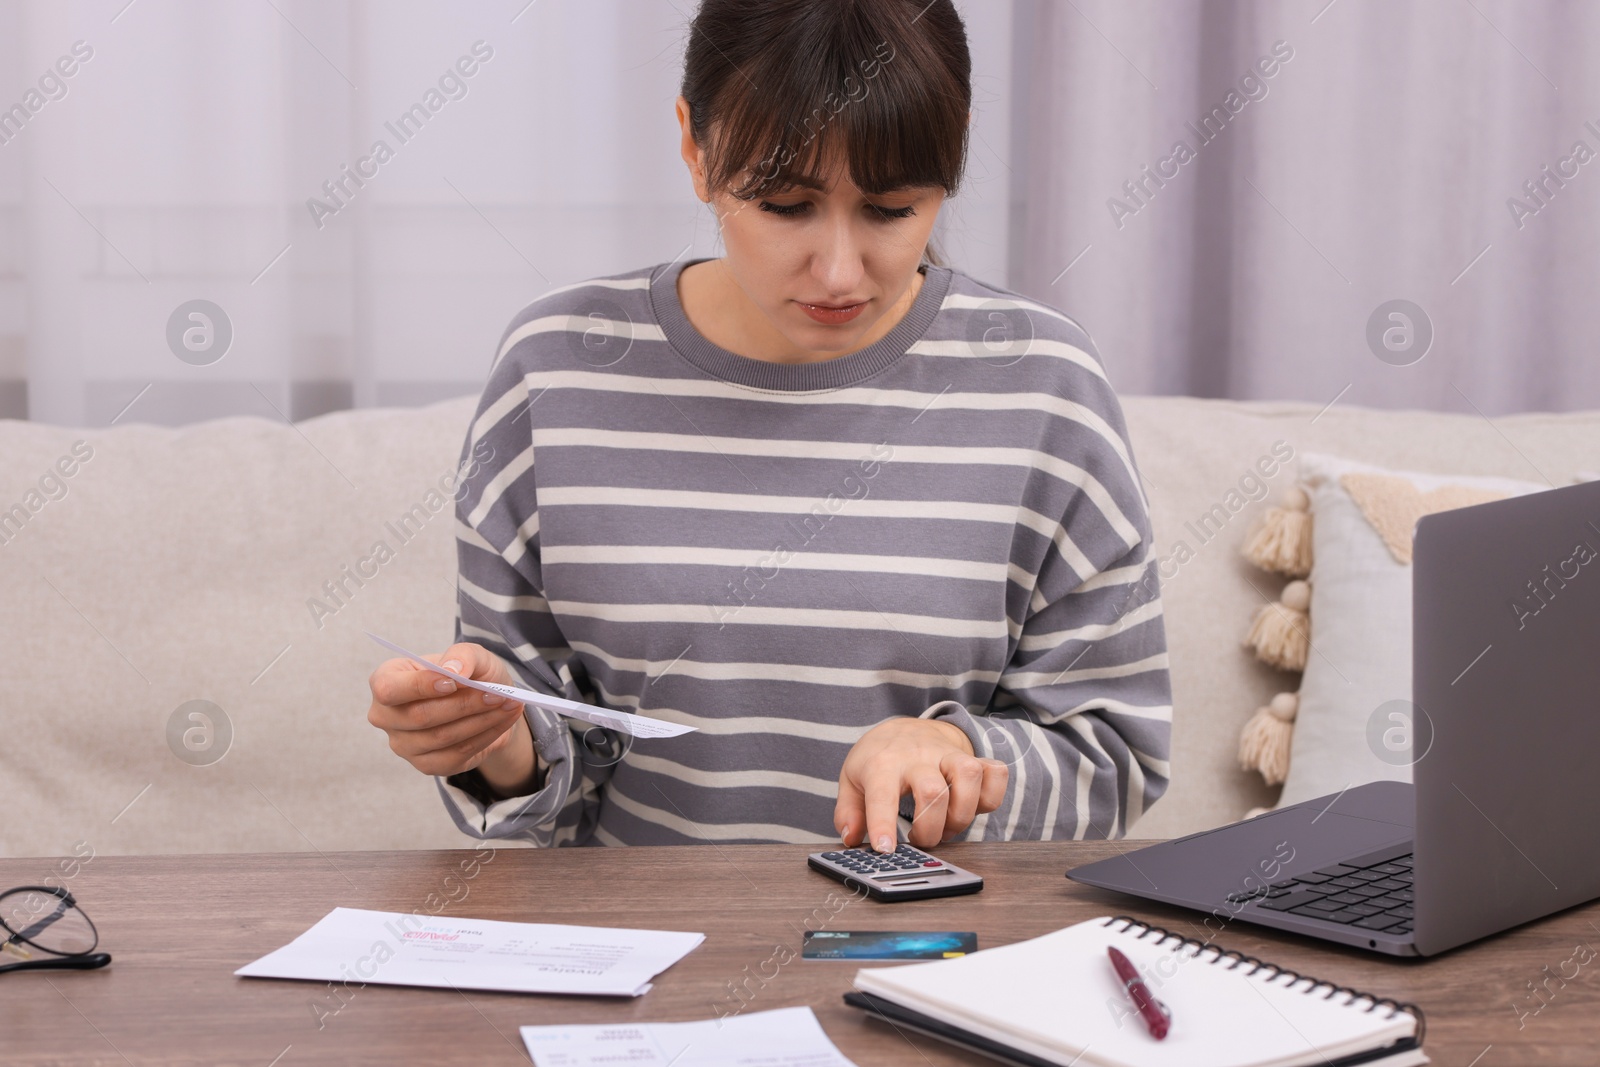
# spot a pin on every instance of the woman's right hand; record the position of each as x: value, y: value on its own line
x: 443, y: 728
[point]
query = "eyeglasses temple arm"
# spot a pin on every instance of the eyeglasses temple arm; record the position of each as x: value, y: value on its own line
x: 62, y: 963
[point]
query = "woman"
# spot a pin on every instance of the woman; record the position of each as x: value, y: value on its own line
x: 871, y: 526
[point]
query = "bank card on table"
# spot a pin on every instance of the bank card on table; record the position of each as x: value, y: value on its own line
x: 885, y: 945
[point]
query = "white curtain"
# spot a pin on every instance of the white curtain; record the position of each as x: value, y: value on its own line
x: 179, y: 163
x: 176, y: 161
x: 1378, y: 166
x: 175, y: 164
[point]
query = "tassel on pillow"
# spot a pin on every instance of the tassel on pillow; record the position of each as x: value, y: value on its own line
x: 1264, y: 744
x: 1281, y: 632
x: 1282, y: 542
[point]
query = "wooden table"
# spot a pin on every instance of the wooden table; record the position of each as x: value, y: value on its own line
x: 179, y: 925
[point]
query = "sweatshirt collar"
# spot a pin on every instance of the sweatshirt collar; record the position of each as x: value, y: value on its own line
x: 763, y: 374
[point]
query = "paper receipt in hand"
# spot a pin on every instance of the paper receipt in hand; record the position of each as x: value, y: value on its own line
x: 620, y: 721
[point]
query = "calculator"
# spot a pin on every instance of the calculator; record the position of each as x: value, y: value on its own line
x: 904, y: 874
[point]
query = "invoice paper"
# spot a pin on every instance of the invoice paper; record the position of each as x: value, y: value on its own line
x: 786, y: 1037
x: 620, y: 721
x: 394, y: 948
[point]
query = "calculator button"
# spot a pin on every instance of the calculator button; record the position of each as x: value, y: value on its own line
x: 933, y: 863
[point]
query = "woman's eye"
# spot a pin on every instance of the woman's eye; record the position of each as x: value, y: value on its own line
x: 786, y: 210
x: 893, y: 212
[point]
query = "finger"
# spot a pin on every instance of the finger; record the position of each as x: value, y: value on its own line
x: 883, y: 790
x: 435, y: 712
x: 475, y: 661
x: 400, y: 681
x: 965, y: 776
x: 409, y: 744
x: 850, y: 812
x: 403, y: 681
x: 996, y: 775
x: 412, y: 743
x: 930, y: 794
x: 462, y: 756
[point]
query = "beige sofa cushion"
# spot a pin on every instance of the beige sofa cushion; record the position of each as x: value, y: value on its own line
x: 1192, y: 452
x: 1355, y: 714
x: 179, y: 564
x: 178, y: 567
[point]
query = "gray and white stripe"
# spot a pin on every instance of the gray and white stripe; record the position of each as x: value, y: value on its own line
x: 783, y: 556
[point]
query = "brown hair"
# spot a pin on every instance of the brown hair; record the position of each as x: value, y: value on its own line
x: 774, y: 85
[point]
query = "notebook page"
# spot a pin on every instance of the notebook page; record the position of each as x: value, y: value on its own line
x: 1058, y: 997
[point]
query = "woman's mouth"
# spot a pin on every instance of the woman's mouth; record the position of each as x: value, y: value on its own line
x: 832, y: 314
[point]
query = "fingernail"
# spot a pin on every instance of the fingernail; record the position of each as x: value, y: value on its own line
x: 492, y: 698
x: 885, y: 844
x: 445, y: 685
x: 452, y: 665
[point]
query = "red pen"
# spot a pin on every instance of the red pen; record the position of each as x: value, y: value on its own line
x: 1156, y: 1016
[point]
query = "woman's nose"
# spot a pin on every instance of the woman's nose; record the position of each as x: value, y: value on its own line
x: 839, y: 268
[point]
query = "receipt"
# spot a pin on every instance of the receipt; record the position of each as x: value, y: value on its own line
x: 783, y: 1037
x: 620, y: 721
x: 353, y: 945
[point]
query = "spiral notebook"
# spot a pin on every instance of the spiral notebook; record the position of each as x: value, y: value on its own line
x: 1055, y: 1001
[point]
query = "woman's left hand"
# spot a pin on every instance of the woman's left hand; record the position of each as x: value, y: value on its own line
x: 931, y: 760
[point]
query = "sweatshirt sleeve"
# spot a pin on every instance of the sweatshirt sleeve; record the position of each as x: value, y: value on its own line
x: 500, y: 604
x: 1082, y: 712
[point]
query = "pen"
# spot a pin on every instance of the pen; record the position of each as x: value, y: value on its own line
x: 1156, y: 1016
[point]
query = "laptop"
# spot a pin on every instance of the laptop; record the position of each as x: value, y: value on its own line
x: 1497, y: 826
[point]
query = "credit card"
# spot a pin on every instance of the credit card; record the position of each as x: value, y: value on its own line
x: 885, y: 945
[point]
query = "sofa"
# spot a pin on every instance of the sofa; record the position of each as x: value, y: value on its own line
x: 170, y: 683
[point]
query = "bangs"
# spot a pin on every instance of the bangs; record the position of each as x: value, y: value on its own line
x: 842, y: 81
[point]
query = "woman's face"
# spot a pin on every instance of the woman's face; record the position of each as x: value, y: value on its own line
x: 823, y: 265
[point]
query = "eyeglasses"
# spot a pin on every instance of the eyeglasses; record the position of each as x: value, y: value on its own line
x: 48, y: 931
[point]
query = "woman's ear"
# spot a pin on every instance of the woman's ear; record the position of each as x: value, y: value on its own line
x: 692, y: 153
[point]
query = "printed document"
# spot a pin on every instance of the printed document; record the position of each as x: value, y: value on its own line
x: 786, y: 1037
x: 394, y: 948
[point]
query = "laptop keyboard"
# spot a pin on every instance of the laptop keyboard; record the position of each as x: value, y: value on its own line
x: 1376, y: 896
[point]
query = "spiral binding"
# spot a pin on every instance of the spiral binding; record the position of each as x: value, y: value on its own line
x: 1238, y: 958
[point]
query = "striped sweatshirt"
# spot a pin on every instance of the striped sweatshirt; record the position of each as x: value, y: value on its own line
x: 946, y: 524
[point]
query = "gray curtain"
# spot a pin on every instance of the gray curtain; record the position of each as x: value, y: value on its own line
x: 1385, y: 160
